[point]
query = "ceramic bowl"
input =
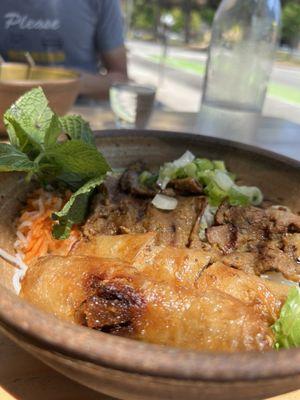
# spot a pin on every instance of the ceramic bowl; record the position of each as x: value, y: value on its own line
x: 60, y: 85
x: 129, y: 369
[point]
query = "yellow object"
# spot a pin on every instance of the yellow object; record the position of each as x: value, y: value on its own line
x: 289, y: 396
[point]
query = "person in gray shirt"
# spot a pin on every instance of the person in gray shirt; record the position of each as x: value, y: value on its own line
x: 78, y: 34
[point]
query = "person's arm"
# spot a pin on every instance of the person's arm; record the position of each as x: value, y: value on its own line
x: 109, y: 43
x: 97, y: 85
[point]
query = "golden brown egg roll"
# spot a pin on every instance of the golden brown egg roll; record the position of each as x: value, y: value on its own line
x: 114, y: 297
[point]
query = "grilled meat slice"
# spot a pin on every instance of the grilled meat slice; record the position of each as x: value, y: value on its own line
x: 115, y: 212
x: 224, y: 236
x: 251, y: 224
x: 271, y: 258
x: 186, y: 186
x: 281, y: 220
x: 129, y: 181
x: 173, y: 227
x: 291, y: 246
x: 262, y: 240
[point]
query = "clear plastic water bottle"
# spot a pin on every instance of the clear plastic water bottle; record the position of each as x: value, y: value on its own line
x: 244, y: 40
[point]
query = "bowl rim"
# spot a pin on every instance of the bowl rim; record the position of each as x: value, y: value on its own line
x: 18, y: 318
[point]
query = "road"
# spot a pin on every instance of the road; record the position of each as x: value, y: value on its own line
x: 181, y: 90
x: 281, y: 74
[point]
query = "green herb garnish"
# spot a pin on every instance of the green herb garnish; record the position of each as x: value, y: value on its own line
x: 218, y: 182
x: 75, y: 163
x: 287, y: 327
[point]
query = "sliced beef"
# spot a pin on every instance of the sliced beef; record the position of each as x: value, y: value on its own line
x: 186, y: 186
x: 262, y: 243
x: 244, y: 261
x: 127, y: 217
x: 220, y: 217
x: 274, y: 259
x: 291, y: 246
x: 281, y: 220
x: 174, y: 227
x: 251, y: 224
x: 268, y: 259
x: 224, y: 236
x: 115, y: 212
x: 129, y: 182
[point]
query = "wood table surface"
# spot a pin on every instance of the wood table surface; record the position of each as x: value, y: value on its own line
x: 23, y: 377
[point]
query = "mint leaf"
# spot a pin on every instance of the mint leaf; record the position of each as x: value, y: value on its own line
x: 77, y: 157
x: 11, y: 159
x: 18, y: 137
x: 53, y: 131
x: 287, y: 327
x: 28, y: 119
x: 77, y: 128
x: 75, y: 209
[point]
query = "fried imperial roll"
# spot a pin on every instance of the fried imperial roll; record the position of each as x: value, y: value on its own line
x: 187, y: 267
x: 161, y: 262
x: 114, y: 297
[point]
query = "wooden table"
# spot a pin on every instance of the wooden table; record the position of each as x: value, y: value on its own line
x: 23, y: 377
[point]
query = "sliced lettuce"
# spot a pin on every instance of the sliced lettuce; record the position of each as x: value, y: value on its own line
x: 287, y: 328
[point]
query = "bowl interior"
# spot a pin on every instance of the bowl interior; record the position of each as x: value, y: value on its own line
x: 277, y: 176
x: 14, y: 72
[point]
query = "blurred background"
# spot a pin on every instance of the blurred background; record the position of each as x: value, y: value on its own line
x: 167, y: 42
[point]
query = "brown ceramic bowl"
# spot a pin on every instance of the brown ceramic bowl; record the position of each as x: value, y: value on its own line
x: 128, y: 369
x: 61, y: 86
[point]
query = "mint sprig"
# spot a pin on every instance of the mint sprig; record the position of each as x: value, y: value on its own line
x: 75, y: 163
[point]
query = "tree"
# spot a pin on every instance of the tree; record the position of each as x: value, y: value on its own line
x: 187, y: 10
x: 291, y: 23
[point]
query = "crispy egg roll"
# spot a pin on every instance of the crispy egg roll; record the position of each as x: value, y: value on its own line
x: 164, y: 263
x: 126, y: 247
x: 248, y: 288
x: 114, y: 297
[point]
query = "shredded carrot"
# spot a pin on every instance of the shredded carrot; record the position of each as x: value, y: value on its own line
x: 35, y: 224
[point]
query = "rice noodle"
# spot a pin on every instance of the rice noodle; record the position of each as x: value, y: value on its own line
x: 34, y: 237
x: 20, y: 266
x: 34, y: 227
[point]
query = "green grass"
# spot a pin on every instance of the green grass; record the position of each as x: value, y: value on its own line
x: 279, y: 91
x: 183, y: 64
x: 284, y: 92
